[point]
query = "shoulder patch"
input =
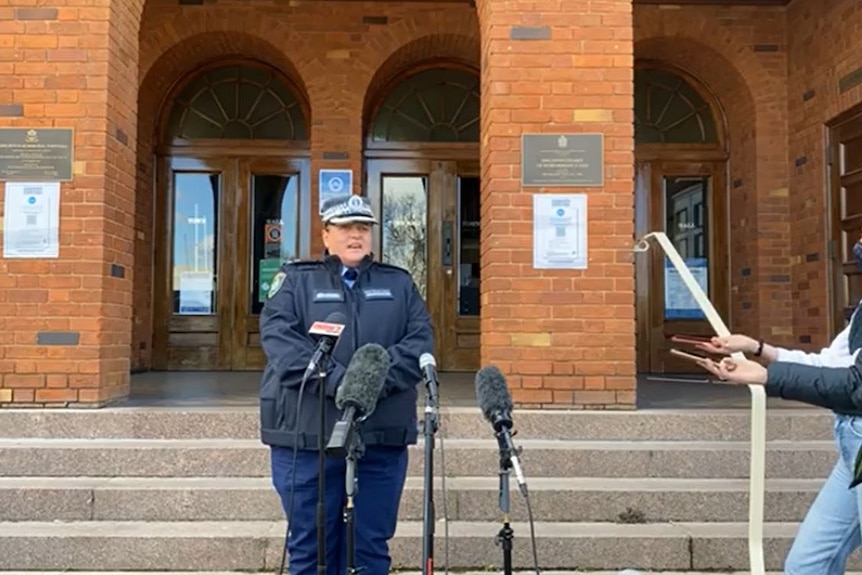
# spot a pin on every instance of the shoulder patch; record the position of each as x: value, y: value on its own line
x: 277, y: 282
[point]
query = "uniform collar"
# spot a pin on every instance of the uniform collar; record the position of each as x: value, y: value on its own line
x: 334, y: 263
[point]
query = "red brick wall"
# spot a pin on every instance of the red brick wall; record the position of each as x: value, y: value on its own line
x: 56, y: 64
x: 76, y: 66
x: 824, y: 44
x: 340, y: 65
x: 739, y: 55
x: 563, y: 337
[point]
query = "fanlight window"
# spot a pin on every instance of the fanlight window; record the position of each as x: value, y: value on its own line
x: 237, y: 102
x: 668, y: 110
x: 440, y: 105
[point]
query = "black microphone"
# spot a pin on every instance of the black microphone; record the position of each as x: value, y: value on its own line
x: 357, y: 395
x: 428, y: 367
x: 496, y: 405
x: 329, y: 331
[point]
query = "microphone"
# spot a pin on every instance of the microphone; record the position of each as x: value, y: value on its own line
x: 495, y: 402
x: 357, y: 395
x: 429, y: 368
x: 329, y: 331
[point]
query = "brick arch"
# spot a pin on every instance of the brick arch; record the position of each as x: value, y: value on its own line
x: 175, y: 64
x: 716, y: 110
x: 451, y: 50
x: 743, y: 91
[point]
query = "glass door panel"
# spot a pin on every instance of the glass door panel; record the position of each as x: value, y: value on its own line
x: 189, y: 290
x: 195, y: 240
x: 404, y: 232
x: 687, y: 202
x: 274, y: 230
x: 273, y: 227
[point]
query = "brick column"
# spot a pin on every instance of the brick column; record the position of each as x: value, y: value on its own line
x: 65, y: 323
x: 563, y: 338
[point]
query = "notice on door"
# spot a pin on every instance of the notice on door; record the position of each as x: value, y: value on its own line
x: 679, y: 303
x: 31, y: 220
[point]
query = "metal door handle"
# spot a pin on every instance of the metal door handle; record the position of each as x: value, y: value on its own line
x: 447, y: 244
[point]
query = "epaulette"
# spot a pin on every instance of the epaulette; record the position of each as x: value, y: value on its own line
x: 303, y: 264
x: 394, y: 267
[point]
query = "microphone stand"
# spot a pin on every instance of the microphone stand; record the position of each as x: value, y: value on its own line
x: 505, y: 535
x: 429, y: 426
x: 321, y: 470
x: 355, y: 451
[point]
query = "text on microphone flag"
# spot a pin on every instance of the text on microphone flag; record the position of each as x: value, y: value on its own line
x: 324, y: 328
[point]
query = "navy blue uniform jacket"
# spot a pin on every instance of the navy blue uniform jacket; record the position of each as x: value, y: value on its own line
x: 384, y: 307
x: 836, y: 388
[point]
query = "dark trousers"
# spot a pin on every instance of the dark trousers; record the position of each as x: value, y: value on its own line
x: 380, y: 475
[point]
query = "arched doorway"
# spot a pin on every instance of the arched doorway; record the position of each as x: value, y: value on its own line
x: 232, y: 203
x: 422, y: 165
x: 681, y: 189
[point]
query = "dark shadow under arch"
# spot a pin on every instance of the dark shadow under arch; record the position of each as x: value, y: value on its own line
x: 234, y: 99
x: 673, y: 107
x: 435, y: 51
x: 433, y: 102
x: 179, y: 63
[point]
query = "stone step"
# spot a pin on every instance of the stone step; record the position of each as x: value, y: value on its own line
x: 255, y: 546
x: 463, y: 457
x: 440, y: 570
x: 468, y: 499
x: 242, y: 423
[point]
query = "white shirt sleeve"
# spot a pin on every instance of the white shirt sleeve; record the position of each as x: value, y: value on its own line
x: 836, y: 355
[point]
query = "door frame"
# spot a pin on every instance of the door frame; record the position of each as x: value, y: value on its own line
x: 231, y: 322
x: 652, y: 161
x: 841, y: 264
x: 443, y: 164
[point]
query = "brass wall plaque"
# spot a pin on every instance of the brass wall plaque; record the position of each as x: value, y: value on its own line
x: 562, y: 160
x: 36, y: 154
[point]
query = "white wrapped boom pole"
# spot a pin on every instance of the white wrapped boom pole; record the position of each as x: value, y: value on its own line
x: 758, y: 405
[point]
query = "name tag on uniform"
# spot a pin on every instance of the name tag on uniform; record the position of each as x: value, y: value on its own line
x: 322, y: 295
x: 372, y: 294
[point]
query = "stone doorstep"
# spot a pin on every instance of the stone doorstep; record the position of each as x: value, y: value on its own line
x: 242, y: 423
x: 109, y: 545
x: 619, y: 500
x: 460, y: 457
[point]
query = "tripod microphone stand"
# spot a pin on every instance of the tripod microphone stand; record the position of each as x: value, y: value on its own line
x: 355, y: 451
x: 429, y: 426
x: 506, y: 534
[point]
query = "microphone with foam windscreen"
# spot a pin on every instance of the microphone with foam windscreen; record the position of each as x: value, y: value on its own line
x: 429, y: 370
x: 358, y: 393
x: 495, y: 402
x: 329, y: 330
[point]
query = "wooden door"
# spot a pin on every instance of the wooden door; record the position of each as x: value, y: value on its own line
x: 194, y: 233
x: 845, y: 170
x: 429, y: 216
x: 270, y: 229
x: 225, y: 226
x: 688, y: 201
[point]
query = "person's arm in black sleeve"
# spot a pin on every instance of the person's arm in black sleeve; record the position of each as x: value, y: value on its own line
x: 287, y: 345
x: 404, y: 371
x: 835, y: 388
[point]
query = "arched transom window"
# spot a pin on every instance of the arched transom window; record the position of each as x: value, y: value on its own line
x: 439, y: 105
x: 668, y: 110
x: 237, y: 102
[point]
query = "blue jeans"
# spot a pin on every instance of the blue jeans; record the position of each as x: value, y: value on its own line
x: 830, y: 531
x: 380, y: 475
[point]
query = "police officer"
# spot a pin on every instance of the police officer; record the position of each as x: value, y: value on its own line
x: 383, y: 306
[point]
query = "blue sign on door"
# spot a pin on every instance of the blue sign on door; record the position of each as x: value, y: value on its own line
x: 334, y: 183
